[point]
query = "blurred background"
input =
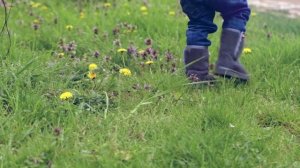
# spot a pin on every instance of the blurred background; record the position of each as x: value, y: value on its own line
x: 290, y: 7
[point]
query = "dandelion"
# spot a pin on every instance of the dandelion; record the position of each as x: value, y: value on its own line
x: 253, y: 14
x: 60, y: 55
x: 93, y: 67
x: 107, y: 5
x: 127, y: 31
x: 82, y: 15
x: 36, y: 21
x: 247, y: 51
x: 69, y: 27
x: 35, y: 5
x: 92, y: 75
x: 122, y: 50
x: 125, y: 72
x: 149, y: 62
x: 172, y: 13
x: 143, y: 9
x: 36, y: 26
x: 141, y: 52
x: 66, y: 96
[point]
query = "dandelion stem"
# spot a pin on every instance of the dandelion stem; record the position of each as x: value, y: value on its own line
x: 107, y: 105
x: 123, y: 59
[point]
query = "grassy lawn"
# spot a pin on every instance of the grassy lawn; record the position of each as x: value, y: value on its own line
x: 151, y: 118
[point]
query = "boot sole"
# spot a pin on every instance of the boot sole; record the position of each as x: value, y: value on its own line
x: 231, y: 74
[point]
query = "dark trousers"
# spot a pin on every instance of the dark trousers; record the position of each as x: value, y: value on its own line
x: 201, y: 14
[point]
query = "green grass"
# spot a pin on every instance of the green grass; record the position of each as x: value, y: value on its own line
x: 163, y: 123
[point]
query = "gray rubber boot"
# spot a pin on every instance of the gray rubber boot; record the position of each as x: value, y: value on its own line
x: 228, y: 64
x: 196, y: 59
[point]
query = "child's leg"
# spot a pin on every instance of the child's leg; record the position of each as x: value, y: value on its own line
x: 235, y: 14
x: 201, y: 22
x: 196, y: 55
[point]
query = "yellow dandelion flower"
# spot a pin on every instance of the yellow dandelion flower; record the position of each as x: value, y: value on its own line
x: 149, y: 62
x: 36, y: 21
x: 35, y: 5
x: 172, y: 13
x: 60, y: 55
x: 127, y: 32
x: 247, y: 51
x: 69, y: 27
x: 141, y: 52
x: 144, y: 8
x: 253, y: 14
x: 107, y: 5
x: 93, y: 67
x: 82, y: 15
x: 92, y: 75
x: 122, y: 50
x: 125, y: 72
x: 66, y: 96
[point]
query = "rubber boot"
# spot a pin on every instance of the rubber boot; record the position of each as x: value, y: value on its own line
x: 228, y: 64
x: 196, y: 59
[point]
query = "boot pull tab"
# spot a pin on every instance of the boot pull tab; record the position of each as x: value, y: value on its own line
x: 240, y: 46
